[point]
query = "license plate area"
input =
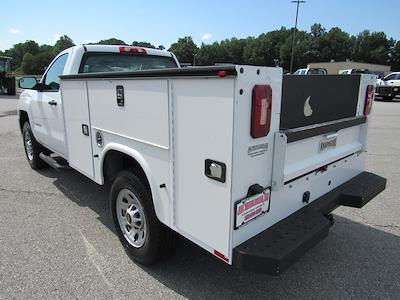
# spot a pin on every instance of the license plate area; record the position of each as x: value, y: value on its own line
x: 252, y: 207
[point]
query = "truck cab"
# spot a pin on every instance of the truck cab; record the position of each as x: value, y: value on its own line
x: 43, y: 101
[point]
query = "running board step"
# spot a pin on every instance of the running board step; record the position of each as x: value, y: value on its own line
x: 275, y: 249
x: 361, y: 189
x: 57, y: 163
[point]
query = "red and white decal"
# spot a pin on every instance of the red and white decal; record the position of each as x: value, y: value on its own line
x: 250, y: 208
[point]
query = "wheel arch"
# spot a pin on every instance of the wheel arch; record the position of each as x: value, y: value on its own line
x: 23, y: 118
x: 116, y: 157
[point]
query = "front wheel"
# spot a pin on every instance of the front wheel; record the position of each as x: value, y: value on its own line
x: 32, y: 148
x: 145, y: 239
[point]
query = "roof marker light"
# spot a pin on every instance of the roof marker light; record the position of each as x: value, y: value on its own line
x: 135, y: 50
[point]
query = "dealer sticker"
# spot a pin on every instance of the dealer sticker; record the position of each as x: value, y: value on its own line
x: 250, y: 208
x: 257, y: 150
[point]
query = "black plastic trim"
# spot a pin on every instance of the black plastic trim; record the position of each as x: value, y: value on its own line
x: 276, y: 248
x: 171, y: 72
x: 305, y: 132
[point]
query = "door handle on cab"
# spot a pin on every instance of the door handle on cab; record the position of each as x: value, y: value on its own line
x: 53, y: 102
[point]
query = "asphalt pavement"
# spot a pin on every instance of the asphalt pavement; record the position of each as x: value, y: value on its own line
x: 57, y: 239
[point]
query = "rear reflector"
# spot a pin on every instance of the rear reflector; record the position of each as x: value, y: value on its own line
x: 221, y: 256
x: 369, y: 99
x: 261, y: 111
x: 136, y: 50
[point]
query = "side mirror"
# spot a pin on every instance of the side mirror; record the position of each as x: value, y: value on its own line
x: 27, y: 83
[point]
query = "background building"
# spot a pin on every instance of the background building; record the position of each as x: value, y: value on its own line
x: 336, y: 66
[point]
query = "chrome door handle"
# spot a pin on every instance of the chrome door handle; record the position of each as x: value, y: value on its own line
x: 53, y: 102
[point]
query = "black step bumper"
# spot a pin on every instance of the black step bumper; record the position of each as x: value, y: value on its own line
x: 275, y: 249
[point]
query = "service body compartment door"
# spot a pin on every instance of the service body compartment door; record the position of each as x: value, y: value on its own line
x: 203, y: 129
x: 77, y: 126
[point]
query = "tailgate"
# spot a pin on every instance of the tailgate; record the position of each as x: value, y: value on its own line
x: 321, y: 122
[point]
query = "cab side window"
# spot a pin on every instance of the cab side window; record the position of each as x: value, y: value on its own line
x: 52, y: 79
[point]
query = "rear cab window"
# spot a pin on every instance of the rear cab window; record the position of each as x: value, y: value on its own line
x: 93, y: 62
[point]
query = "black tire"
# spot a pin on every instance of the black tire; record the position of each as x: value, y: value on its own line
x: 160, y: 240
x: 11, y: 89
x: 34, y: 160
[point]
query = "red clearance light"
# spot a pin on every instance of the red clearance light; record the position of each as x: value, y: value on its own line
x: 127, y: 49
x: 261, y: 111
x: 369, y: 99
x: 221, y: 256
x: 221, y: 73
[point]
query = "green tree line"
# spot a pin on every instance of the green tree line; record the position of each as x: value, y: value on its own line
x: 270, y: 49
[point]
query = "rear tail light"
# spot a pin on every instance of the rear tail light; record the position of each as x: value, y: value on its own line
x: 261, y: 111
x: 136, y: 50
x: 369, y: 99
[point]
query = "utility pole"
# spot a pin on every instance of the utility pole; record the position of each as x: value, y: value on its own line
x: 294, y: 33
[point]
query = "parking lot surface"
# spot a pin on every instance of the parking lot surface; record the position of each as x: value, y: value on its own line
x: 57, y: 239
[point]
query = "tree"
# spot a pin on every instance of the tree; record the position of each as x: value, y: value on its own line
x: 267, y: 48
x: 27, y: 65
x: 333, y: 45
x: 185, y: 49
x: 143, y: 44
x: 64, y: 42
x: 111, y: 41
x: 372, y: 47
x: 18, y: 51
x: 395, y: 57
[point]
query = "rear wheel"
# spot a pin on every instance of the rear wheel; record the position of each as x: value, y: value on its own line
x: 32, y: 148
x: 144, y: 237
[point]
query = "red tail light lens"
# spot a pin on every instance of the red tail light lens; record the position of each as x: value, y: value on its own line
x: 261, y: 111
x: 136, y: 50
x: 369, y: 99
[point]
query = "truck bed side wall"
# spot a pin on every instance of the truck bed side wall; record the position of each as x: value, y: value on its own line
x: 252, y: 167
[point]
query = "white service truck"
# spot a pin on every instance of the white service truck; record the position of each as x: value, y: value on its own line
x: 241, y: 160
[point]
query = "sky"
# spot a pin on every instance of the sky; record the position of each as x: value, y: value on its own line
x: 163, y: 22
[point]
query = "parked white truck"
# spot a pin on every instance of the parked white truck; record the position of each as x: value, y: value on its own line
x: 241, y: 160
x: 389, y: 86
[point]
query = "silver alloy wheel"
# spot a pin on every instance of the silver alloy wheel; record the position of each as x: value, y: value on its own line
x: 28, y: 145
x: 131, y: 218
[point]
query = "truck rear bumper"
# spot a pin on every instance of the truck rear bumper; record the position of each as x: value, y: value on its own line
x: 275, y: 249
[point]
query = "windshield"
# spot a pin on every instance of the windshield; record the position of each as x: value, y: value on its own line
x: 316, y: 72
x: 121, y: 62
x: 2, y: 65
x: 300, y: 72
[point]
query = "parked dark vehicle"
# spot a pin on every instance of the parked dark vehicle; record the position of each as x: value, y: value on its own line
x: 7, y: 78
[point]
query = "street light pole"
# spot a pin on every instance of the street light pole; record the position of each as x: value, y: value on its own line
x: 194, y: 59
x: 294, y: 32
